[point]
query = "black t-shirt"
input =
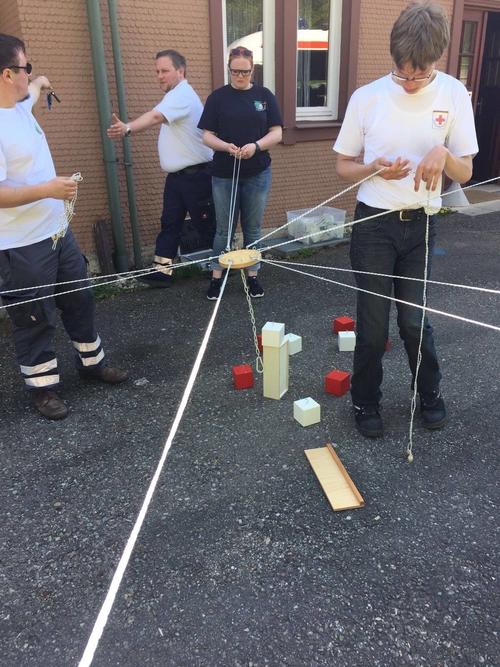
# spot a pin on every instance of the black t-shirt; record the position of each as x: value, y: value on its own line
x: 240, y: 117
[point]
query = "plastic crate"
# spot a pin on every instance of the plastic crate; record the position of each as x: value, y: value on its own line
x: 325, y: 223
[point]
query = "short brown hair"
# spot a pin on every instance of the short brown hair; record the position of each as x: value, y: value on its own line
x: 10, y: 48
x: 177, y: 59
x: 420, y: 35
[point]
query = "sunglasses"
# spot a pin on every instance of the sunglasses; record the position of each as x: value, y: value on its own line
x: 28, y: 67
x: 241, y: 52
x: 243, y: 72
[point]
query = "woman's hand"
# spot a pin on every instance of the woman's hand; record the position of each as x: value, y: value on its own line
x: 248, y: 151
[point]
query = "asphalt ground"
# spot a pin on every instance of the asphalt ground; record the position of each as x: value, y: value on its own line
x: 241, y: 561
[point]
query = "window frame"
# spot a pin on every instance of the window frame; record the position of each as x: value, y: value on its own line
x: 285, y: 50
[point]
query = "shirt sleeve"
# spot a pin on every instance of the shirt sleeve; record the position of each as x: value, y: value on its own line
x: 209, y: 117
x: 462, y: 140
x: 174, y: 109
x: 350, y: 140
x: 273, y: 111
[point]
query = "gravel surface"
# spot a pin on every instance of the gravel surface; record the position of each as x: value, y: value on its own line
x: 241, y: 561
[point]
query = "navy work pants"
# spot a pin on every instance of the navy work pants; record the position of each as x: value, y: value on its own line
x: 32, y: 267
x: 186, y: 193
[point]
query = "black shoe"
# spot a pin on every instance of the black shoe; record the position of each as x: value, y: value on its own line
x: 432, y: 410
x: 156, y: 279
x: 49, y: 404
x: 368, y: 420
x: 214, y: 289
x: 255, y: 288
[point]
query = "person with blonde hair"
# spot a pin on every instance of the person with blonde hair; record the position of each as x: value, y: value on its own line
x: 241, y: 121
x: 416, y: 124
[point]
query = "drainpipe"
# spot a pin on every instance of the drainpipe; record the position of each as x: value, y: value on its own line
x: 108, y: 148
x: 122, y: 109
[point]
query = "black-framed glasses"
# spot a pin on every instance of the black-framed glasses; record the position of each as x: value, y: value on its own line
x: 241, y: 51
x: 415, y: 78
x: 28, y: 67
x: 243, y: 72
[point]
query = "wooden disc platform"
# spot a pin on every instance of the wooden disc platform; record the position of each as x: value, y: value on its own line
x: 239, y: 259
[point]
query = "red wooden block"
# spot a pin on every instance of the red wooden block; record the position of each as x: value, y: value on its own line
x: 337, y: 382
x: 243, y: 377
x: 343, y: 324
x: 388, y: 345
x: 259, y: 342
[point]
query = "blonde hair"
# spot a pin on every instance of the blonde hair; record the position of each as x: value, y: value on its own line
x: 420, y: 35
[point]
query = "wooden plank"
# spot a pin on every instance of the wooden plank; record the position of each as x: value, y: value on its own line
x: 339, y: 488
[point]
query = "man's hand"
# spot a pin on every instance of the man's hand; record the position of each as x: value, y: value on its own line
x: 118, y: 129
x: 431, y: 168
x: 61, y: 188
x: 394, y: 171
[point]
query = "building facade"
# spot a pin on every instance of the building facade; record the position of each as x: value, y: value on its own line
x: 312, y: 53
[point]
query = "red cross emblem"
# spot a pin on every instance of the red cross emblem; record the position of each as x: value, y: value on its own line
x: 439, y: 119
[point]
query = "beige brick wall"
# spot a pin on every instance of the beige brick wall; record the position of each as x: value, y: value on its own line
x: 57, y: 37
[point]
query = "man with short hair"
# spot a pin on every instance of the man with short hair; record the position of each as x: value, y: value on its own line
x: 37, y: 249
x: 188, y: 186
x: 416, y: 123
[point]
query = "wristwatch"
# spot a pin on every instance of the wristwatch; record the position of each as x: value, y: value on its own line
x: 128, y: 131
x: 257, y: 148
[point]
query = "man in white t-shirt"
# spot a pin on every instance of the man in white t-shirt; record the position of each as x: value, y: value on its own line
x: 418, y: 123
x: 188, y: 186
x: 37, y: 250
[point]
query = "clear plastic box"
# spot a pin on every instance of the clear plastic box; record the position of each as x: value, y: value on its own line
x: 326, y: 223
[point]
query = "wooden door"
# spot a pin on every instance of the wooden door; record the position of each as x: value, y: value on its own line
x: 471, y: 50
x: 487, y: 162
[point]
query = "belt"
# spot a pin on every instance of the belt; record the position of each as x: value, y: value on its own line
x: 194, y: 169
x: 405, y: 215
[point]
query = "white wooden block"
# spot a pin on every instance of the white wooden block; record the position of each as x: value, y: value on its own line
x: 275, y: 381
x: 273, y: 334
x: 294, y: 343
x: 347, y: 341
x: 306, y: 411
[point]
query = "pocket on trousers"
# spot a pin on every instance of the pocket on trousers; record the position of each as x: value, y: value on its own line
x: 21, y: 313
x: 207, y: 212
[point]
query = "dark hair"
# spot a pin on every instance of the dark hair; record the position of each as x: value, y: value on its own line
x: 178, y: 61
x: 9, y: 50
x: 420, y: 35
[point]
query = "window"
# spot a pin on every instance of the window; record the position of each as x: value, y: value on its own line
x: 305, y: 51
x: 318, y: 59
x: 250, y: 23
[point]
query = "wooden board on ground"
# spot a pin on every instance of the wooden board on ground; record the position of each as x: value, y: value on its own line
x: 339, y: 488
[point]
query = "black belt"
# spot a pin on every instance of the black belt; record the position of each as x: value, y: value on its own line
x: 405, y: 215
x: 194, y: 169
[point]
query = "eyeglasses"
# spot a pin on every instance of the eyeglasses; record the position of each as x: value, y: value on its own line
x: 28, y: 67
x: 240, y: 51
x: 415, y: 78
x: 243, y: 72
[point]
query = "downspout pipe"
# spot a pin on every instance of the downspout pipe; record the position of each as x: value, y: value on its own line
x: 108, y: 148
x: 122, y: 110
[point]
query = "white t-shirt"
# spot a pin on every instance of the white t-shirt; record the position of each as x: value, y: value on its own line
x: 385, y: 121
x: 179, y: 143
x: 25, y: 159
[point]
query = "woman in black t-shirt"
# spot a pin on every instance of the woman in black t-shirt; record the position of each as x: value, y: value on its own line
x: 241, y: 121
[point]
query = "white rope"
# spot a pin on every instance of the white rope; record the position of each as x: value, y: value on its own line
x: 102, y: 618
x: 383, y: 296
x: 311, y: 210
x: 391, y: 275
x: 354, y: 222
x: 413, y: 404
x: 66, y: 216
x: 232, y: 202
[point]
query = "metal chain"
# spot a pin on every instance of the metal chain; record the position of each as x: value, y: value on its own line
x: 259, y: 364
